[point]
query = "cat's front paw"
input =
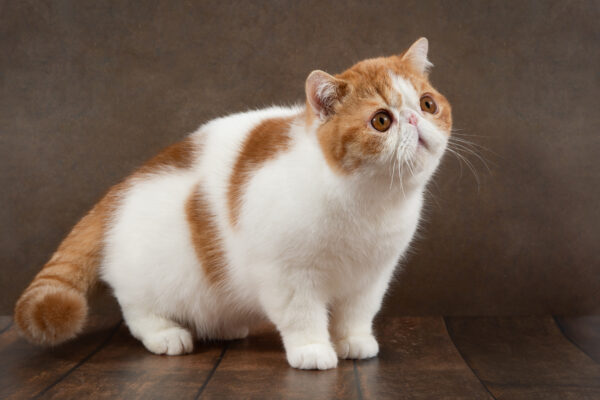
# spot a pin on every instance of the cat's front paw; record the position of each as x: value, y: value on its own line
x: 357, y: 347
x: 312, y: 356
x: 172, y: 341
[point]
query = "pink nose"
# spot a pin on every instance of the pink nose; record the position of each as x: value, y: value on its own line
x: 413, y: 120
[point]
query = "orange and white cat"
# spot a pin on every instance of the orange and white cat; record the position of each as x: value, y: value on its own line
x: 297, y: 214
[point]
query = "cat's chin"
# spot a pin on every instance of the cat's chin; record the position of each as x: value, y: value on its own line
x: 418, y: 169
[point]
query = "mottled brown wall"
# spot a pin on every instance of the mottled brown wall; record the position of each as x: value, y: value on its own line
x: 88, y: 90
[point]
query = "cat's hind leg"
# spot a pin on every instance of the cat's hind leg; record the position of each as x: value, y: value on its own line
x: 158, y: 334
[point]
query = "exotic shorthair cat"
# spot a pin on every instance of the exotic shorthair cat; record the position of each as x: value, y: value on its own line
x: 297, y: 214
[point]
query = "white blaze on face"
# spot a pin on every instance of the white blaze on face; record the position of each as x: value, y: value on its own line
x: 408, y: 93
x: 407, y: 103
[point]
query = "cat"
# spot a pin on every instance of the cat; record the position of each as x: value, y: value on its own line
x: 296, y: 215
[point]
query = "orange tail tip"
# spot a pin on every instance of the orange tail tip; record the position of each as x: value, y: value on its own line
x: 51, y: 314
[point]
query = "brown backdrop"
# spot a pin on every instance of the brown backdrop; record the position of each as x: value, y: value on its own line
x: 88, y: 91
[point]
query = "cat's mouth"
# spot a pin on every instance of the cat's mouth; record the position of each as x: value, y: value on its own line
x: 422, y: 141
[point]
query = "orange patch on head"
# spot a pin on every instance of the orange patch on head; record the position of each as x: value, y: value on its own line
x: 346, y: 138
x: 263, y: 143
x: 206, y: 237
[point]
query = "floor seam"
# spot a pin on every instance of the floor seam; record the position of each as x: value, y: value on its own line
x: 7, y: 327
x: 212, y: 371
x: 574, y: 343
x: 81, y: 362
x: 357, y: 380
x: 465, y: 360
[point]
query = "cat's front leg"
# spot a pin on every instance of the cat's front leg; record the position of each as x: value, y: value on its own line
x: 352, y: 319
x: 301, y: 318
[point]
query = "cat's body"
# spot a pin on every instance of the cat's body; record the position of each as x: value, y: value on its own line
x: 296, y: 215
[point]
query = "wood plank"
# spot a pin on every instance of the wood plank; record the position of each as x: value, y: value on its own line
x: 525, y: 358
x: 417, y: 360
x: 256, y: 368
x: 26, y: 370
x: 125, y: 369
x: 584, y: 332
x: 5, y: 323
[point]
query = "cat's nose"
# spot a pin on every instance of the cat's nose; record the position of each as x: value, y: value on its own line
x: 412, y: 119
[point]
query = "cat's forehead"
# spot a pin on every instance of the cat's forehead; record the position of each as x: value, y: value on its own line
x: 402, y: 91
x: 389, y: 78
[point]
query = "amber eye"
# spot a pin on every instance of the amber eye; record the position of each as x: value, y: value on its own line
x: 428, y: 105
x: 381, y: 121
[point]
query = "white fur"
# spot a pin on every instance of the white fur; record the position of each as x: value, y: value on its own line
x: 313, y: 250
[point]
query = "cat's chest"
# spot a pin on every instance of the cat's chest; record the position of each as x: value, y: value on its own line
x: 318, y: 222
x: 368, y: 238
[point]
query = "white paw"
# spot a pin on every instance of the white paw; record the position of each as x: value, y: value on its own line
x: 171, y: 341
x: 357, y: 347
x: 312, y: 356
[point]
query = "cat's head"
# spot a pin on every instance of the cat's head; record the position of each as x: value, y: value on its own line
x: 381, y: 116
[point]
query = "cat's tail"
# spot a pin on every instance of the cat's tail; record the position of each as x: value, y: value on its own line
x: 54, y: 306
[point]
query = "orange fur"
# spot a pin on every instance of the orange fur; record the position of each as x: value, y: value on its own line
x: 53, y: 308
x: 263, y: 143
x: 178, y: 155
x: 345, y: 138
x: 206, y: 237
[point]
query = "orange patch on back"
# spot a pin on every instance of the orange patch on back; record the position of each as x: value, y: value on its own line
x: 178, y: 155
x: 263, y: 143
x: 206, y: 237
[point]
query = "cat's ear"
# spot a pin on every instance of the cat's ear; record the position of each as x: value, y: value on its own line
x: 416, y: 55
x: 323, y: 91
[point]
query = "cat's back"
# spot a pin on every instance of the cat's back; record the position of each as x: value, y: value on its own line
x: 152, y: 223
x: 221, y: 142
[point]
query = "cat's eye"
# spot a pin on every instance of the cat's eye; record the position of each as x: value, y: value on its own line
x: 381, y: 121
x: 428, y: 104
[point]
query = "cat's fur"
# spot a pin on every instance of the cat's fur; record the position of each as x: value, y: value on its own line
x: 298, y: 214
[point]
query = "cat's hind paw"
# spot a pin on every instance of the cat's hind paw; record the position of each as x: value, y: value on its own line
x: 312, y: 356
x: 171, y: 341
x: 357, y: 347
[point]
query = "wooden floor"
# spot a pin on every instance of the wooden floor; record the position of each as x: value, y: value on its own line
x: 420, y: 358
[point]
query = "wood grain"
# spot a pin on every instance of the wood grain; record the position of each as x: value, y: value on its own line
x: 584, y: 332
x: 525, y: 358
x: 27, y: 370
x: 256, y: 368
x: 125, y: 369
x: 475, y: 358
x: 417, y: 360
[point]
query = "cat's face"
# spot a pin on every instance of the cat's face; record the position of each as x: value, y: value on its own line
x: 382, y: 116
